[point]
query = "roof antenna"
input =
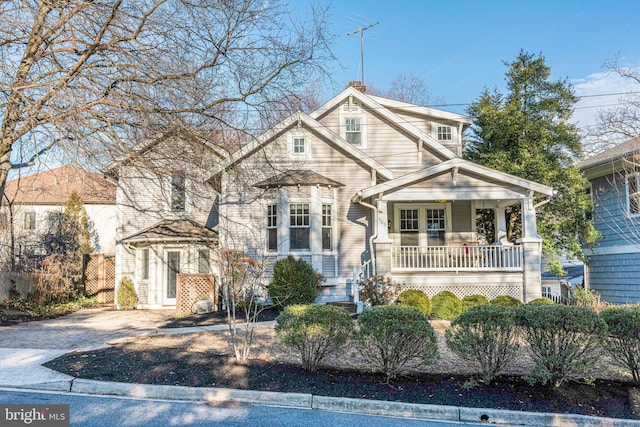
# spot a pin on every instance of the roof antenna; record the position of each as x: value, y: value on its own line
x: 361, y: 30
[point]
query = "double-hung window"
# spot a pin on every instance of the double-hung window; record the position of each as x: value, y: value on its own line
x: 327, y: 242
x: 444, y: 133
x: 353, y: 131
x: 299, y: 226
x: 272, y: 228
x: 633, y: 193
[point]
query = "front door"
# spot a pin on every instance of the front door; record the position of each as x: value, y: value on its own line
x: 173, y: 268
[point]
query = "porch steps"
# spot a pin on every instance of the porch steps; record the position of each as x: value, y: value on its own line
x: 347, y: 305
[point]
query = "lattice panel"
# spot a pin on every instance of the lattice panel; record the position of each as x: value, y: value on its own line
x: 191, y: 288
x: 489, y: 291
x: 100, y: 278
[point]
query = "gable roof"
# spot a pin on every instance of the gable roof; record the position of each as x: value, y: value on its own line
x: 297, y: 177
x: 454, y: 164
x: 609, y: 156
x: 372, y: 103
x: 53, y: 187
x: 301, y: 118
x: 173, y: 230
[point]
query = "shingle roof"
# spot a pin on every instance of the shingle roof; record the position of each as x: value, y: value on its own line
x: 621, y: 150
x: 297, y: 177
x: 173, y: 230
x: 56, y: 185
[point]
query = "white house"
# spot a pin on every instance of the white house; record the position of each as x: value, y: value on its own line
x: 364, y: 185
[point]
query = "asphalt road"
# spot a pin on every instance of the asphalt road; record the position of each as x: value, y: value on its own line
x: 106, y: 411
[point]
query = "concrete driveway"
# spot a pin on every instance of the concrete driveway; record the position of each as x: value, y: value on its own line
x: 24, y: 348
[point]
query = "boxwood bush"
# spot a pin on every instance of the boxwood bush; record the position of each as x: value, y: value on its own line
x: 314, y: 331
x: 445, y: 305
x: 126, y: 297
x: 394, y: 337
x: 485, y: 336
x: 294, y: 282
x: 623, y: 338
x: 416, y: 299
x: 506, y: 301
x: 563, y: 341
x: 470, y: 301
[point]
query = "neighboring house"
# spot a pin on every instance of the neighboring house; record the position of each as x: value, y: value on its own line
x: 367, y: 185
x: 614, y: 264
x: 166, y: 214
x: 37, y: 201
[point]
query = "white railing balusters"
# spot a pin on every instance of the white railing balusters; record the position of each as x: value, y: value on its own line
x: 441, y: 258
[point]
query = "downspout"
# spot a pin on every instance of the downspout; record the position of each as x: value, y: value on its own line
x: 375, y: 232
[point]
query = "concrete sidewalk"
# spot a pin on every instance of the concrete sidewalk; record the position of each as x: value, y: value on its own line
x: 24, y: 348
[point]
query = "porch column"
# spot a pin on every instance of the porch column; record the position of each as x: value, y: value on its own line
x: 501, y: 227
x: 532, y: 253
x: 382, y: 242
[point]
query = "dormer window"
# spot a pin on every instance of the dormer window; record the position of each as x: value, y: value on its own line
x: 444, y: 133
x: 353, y: 131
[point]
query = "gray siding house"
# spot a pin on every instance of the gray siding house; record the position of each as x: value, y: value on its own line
x: 614, y: 265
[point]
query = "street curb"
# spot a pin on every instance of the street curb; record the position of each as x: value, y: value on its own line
x: 173, y: 392
x: 337, y: 404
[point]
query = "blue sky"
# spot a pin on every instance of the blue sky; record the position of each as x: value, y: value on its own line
x: 458, y: 48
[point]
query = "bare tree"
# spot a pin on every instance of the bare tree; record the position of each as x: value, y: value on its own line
x: 92, y: 77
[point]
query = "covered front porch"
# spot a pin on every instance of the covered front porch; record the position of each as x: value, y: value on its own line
x: 445, y: 228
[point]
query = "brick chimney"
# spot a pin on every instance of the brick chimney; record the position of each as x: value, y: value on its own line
x: 358, y: 86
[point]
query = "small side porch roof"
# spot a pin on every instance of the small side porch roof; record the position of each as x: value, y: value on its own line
x: 173, y: 230
x: 455, y: 166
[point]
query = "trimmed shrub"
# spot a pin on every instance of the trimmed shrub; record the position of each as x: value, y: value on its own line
x: 416, y: 299
x: 506, y: 301
x: 470, y: 301
x: 563, y: 340
x: 294, y: 282
x: 541, y: 301
x: 623, y: 339
x: 445, y: 305
x: 314, y: 331
x: 126, y: 296
x: 376, y: 290
x: 394, y: 337
x: 485, y: 336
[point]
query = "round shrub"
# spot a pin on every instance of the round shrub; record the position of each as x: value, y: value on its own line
x: 314, y: 331
x: 470, y: 301
x: 416, y: 299
x: 506, y: 301
x: 563, y: 340
x: 445, y: 305
x: 126, y: 296
x: 394, y: 337
x: 294, y: 282
x: 623, y: 339
x: 541, y: 301
x: 486, y: 337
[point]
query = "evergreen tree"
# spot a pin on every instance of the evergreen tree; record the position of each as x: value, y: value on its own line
x: 526, y: 132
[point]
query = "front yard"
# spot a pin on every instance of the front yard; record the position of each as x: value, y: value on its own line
x: 204, y: 360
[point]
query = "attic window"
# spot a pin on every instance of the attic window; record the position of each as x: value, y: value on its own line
x: 353, y: 132
x: 444, y: 133
x: 178, y: 193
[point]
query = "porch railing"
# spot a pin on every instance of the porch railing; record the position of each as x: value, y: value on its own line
x: 456, y: 258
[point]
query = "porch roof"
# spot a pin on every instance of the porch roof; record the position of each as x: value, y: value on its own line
x: 298, y: 177
x: 454, y: 166
x: 173, y: 230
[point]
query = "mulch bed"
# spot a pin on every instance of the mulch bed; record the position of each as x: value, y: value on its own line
x: 217, y: 318
x: 203, y: 360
